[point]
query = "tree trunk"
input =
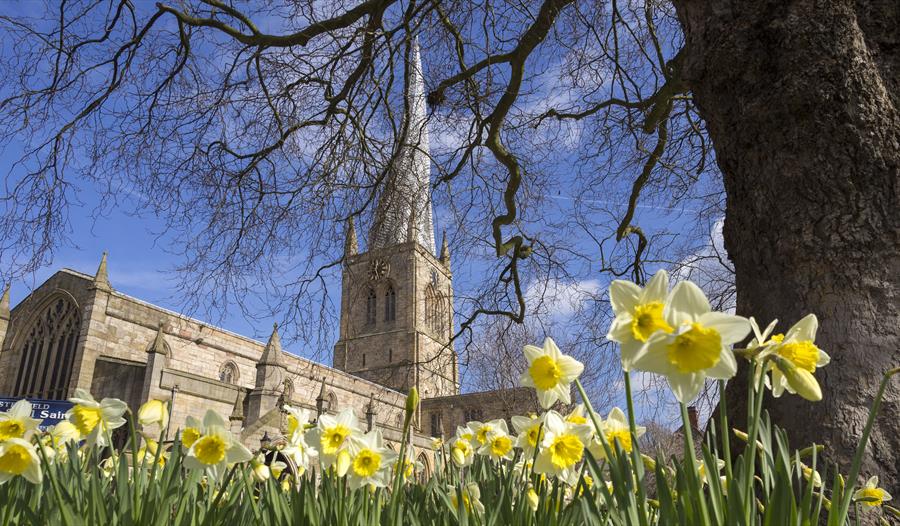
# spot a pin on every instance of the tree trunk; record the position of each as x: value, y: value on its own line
x: 801, y: 102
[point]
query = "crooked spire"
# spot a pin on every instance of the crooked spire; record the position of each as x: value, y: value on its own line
x: 407, y: 188
x: 445, y: 252
x: 4, y: 303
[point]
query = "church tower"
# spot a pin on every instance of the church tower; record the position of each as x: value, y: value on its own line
x: 397, y: 297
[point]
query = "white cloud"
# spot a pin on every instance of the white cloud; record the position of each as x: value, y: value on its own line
x: 557, y: 299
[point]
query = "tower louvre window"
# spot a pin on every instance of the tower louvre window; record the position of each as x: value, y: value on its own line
x: 435, y: 424
x: 364, y: 359
x: 371, y: 307
x: 390, y: 304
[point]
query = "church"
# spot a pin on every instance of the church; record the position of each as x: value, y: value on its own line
x: 396, y: 321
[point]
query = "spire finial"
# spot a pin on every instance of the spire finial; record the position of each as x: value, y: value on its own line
x: 445, y: 251
x: 101, y: 278
x: 4, y: 303
x: 351, y: 244
x: 272, y: 353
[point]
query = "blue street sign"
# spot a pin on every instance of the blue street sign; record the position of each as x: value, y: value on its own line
x: 49, y: 412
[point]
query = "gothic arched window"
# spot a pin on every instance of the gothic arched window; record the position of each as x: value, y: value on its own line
x: 228, y: 373
x: 371, y: 307
x: 440, y: 313
x: 430, y: 301
x: 48, y: 352
x: 390, y: 304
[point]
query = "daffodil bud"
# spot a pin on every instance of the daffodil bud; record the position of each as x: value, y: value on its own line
x: 649, y: 463
x: 412, y: 402
x: 154, y: 412
x: 459, y: 458
x: 342, y: 464
x: 800, y: 380
x: 532, y: 497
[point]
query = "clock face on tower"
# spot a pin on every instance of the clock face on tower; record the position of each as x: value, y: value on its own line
x: 378, y: 269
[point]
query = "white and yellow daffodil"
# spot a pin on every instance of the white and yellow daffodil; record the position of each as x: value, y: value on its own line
x: 191, y: 432
x: 297, y: 448
x: 154, y: 412
x: 697, y: 348
x: 215, y: 449
x: 482, y: 431
x: 529, y: 433
x: 370, y: 461
x: 550, y: 373
x: 331, y: 435
x: 94, y: 420
x: 797, y: 347
x: 577, y: 415
x: 871, y: 495
x: 18, y: 457
x: 562, y: 447
x: 615, y: 430
x: 17, y: 422
x: 462, y: 452
x: 468, y: 499
x: 639, y: 314
x: 499, y: 446
x: 54, y: 441
x: 704, y: 473
x: 297, y: 420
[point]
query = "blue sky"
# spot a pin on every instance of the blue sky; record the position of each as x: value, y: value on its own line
x: 141, y: 261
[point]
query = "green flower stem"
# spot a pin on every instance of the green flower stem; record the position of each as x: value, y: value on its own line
x: 690, y: 452
x: 755, y: 400
x: 725, y: 430
x: 861, y: 450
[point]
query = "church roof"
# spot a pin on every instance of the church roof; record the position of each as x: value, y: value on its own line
x: 407, y: 188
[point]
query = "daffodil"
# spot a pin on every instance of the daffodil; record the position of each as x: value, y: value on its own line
x: 18, y: 457
x: 215, y: 449
x: 529, y: 431
x: 370, y: 461
x: 576, y: 416
x: 154, y: 412
x: 297, y: 420
x: 191, y: 432
x: 639, y: 314
x: 799, y: 349
x: 17, y: 422
x: 297, y: 448
x: 94, y: 420
x: 259, y: 470
x: 482, y: 431
x: 462, y: 452
x: 467, y: 499
x: 465, y: 432
x: 616, y: 431
x: 499, y: 446
x: 703, y: 472
x: 699, y: 345
x: 810, y: 475
x: 562, y: 447
x: 149, y: 451
x: 331, y: 435
x: 550, y: 372
x: 531, y: 498
x: 871, y: 495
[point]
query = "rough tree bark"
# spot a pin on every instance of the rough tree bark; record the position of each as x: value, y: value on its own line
x: 801, y: 101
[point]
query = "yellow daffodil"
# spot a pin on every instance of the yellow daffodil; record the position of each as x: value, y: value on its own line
x: 370, y: 461
x: 551, y: 373
x: 154, y: 412
x: 148, y: 452
x: 17, y: 422
x: 19, y: 458
x: 562, y: 447
x: 871, y: 495
x: 530, y: 433
x: 615, y: 431
x: 331, y: 435
x: 437, y: 444
x: 259, y: 470
x: 697, y: 348
x: 467, y: 499
x: 94, y: 420
x: 799, y: 350
x: 531, y: 498
x: 704, y: 473
x: 639, y: 314
x: 216, y: 448
x: 810, y: 475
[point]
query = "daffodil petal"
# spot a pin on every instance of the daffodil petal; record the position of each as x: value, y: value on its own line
x: 685, y: 386
x: 657, y: 288
x: 731, y: 328
x: 685, y: 304
x: 725, y: 368
x: 623, y: 296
